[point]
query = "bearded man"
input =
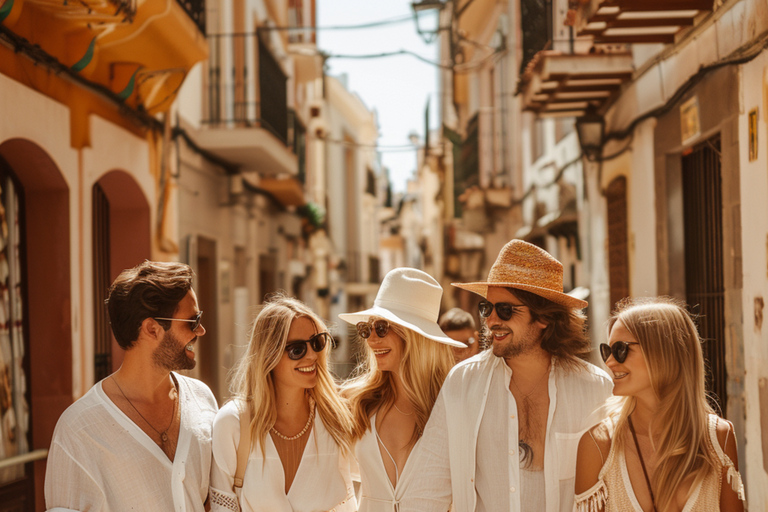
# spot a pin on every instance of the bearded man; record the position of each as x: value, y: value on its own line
x: 504, y: 431
x: 141, y: 438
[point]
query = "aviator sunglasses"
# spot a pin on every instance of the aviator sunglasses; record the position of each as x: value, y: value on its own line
x: 298, y: 349
x: 504, y: 310
x: 620, y: 350
x: 194, y: 321
x: 364, y: 329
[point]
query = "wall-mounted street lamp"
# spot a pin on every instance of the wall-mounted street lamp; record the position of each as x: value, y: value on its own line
x: 591, y: 127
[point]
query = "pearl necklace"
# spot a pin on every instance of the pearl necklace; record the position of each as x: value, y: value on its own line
x: 306, y: 427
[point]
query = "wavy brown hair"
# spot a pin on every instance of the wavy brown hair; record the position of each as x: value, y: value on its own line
x: 565, y: 335
x: 423, y: 368
x: 671, y: 347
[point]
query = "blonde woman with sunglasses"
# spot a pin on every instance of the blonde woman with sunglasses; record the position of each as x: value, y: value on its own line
x: 299, y: 426
x: 407, y: 357
x: 662, y: 448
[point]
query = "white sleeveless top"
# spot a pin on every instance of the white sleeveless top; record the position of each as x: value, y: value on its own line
x: 614, y: 490
x: 377, y: 494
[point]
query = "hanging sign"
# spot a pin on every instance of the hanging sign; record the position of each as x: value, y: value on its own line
x: 689, y: 120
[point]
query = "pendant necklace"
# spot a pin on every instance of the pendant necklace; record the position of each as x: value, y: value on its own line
x: 164, y: 434
x: 526, y: 450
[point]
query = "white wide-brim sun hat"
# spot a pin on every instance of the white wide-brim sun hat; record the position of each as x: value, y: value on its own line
x: 409, y: 298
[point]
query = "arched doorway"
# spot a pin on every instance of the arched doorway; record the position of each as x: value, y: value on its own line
x: 36, y: 207
x: 121, y: 239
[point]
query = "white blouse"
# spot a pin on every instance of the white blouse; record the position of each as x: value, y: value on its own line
x: 322, y: 482
x: 377, y: 492
x: 102, y: 461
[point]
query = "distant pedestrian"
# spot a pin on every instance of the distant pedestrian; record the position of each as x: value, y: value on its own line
x: 661, y: 448
x: 141, y: 438
x: 296, y: 449
x: 505, y: 429
x: 406, y: 359
x: 460, y: 326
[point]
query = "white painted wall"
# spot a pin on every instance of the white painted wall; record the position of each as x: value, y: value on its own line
x: 754, y: 190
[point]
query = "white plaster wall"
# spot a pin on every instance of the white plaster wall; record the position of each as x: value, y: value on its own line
x: 641, y: 209
x: 754, y: 189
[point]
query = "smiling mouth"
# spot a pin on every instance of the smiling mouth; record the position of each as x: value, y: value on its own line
x: 307, y: 369
x: 381, y: 351
x: 190, y: 347
x: 500, y: 335
x: 617, y: 376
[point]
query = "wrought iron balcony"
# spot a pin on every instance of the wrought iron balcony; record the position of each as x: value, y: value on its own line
x: 196, y: 11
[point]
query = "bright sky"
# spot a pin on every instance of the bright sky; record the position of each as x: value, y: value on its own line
x: 396, y: 87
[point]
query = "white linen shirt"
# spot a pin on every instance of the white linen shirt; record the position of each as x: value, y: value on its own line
x: 323, y: 481
x: 450, y: 452
x: 101, y: 461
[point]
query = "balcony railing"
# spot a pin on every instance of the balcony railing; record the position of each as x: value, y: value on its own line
x: 196, y: 10
x: 233, y: 99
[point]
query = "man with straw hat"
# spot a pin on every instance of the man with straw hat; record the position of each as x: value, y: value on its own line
x: 505, y: 429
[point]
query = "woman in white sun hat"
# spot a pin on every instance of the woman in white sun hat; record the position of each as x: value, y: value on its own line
x: 407, y: 359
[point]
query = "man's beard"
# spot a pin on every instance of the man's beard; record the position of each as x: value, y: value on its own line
x: 169, y: 356
x: 514, y: 346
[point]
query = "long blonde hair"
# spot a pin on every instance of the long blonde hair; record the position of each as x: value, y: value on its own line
x: 671, y: 346
x: 424, y: 366
x: 253, y: 383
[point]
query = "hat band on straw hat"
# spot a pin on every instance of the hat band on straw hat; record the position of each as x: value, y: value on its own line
x: 526, y: 267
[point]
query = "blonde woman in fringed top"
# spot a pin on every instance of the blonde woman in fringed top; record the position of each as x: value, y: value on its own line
x: 407, y: 357
x: 662, y: 448
x: 300, y: 427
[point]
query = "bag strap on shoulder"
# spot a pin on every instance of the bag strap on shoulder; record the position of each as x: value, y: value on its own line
x: 244, y: 446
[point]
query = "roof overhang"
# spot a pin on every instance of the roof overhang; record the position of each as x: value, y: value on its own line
x: 638, y: 21
x: 557, y: 84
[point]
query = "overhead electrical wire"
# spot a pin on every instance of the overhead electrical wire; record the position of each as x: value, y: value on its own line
x: 359, y: 26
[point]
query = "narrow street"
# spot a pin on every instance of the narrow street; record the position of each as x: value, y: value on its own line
x: 312, y: 146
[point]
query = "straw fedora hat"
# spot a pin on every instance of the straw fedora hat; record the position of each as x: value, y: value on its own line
x: 409, y: 298
x: 524, y: 266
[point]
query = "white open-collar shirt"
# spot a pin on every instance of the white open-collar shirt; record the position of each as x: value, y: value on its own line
x: 451, y: 450
x: 101, y: 461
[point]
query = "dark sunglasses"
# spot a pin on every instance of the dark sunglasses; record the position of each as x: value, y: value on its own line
x: 504, y: 310
x: 194, y: 321
x: 298, y: 349
x: 620, y: 350
x: 365, y: 329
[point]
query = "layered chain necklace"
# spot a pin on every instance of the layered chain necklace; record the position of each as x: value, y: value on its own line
x: 164, y: 434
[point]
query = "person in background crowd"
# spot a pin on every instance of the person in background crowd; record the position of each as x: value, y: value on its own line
x: 505, y: 429
x: 460, y: 326
x: 407, y: 359
x: 298, y: 451
x: 141, y: 438
x: 661, y: 448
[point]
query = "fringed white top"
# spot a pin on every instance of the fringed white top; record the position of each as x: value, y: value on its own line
x: 613, y: 489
